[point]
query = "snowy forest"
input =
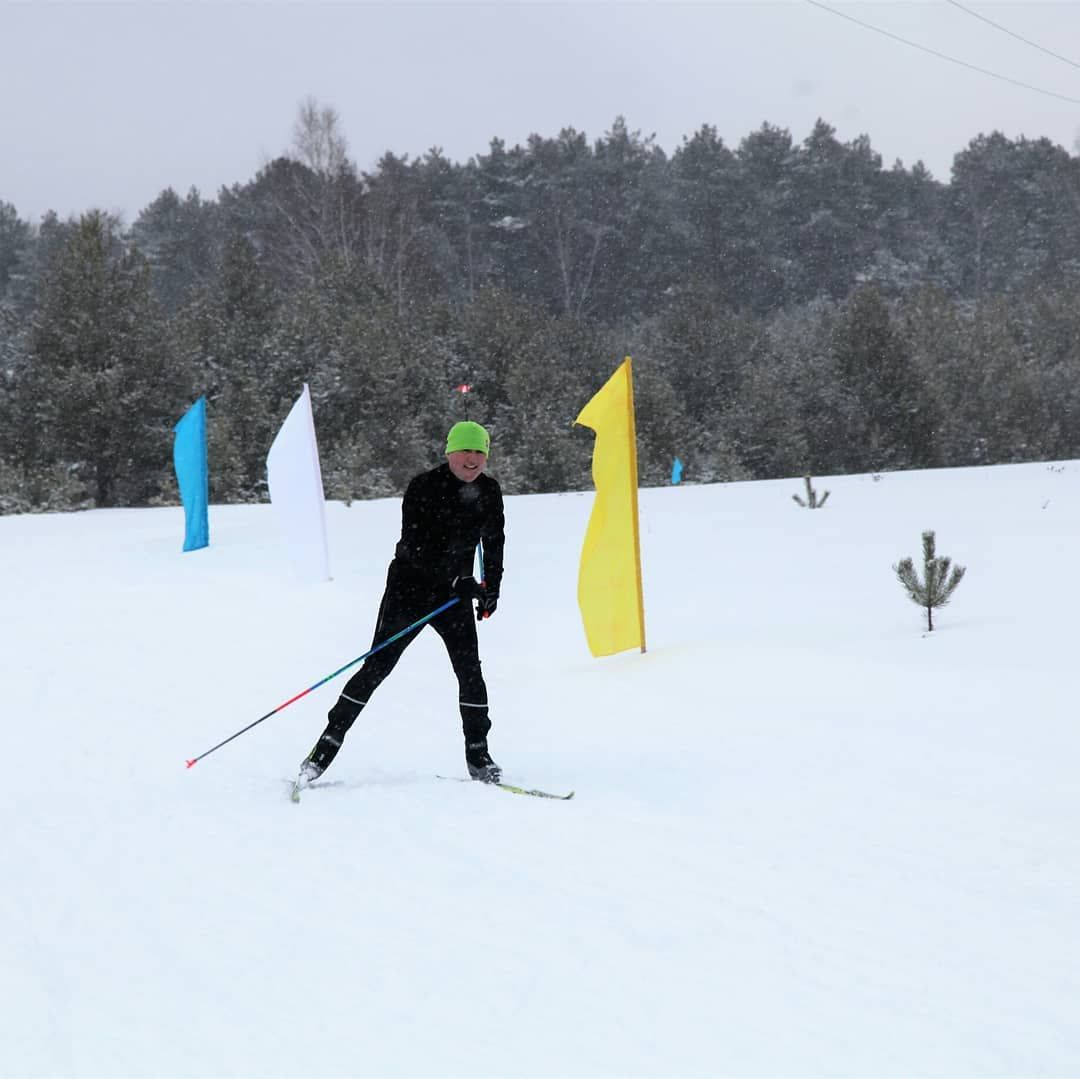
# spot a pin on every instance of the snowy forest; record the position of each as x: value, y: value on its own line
x: 792, y: 307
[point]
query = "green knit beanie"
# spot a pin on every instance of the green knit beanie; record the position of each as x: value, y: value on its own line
x: 468, y: 436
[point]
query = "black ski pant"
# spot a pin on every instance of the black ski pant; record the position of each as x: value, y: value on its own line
x: 410, y: 596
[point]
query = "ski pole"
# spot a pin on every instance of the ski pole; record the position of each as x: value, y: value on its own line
x: 323, y: 681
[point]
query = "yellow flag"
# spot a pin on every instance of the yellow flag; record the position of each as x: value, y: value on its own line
x: 609, y: 579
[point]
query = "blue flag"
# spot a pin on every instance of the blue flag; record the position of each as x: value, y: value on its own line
x: 192, y: 476
x: 676, y: 471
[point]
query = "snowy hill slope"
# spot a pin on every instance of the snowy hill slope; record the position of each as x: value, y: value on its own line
x: 808, y: 837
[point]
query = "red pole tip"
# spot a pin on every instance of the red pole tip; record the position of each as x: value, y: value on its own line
x: 190, y: 763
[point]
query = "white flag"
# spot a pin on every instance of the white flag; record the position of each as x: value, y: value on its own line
x: 296, y: 491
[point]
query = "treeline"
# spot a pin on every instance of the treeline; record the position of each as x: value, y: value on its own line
x: 790, y: 307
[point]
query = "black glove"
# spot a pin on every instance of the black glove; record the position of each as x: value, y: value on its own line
x: 467, y: 588
x: 486, y: 604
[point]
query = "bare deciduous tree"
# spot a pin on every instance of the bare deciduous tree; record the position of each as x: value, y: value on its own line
x: 317, y: 138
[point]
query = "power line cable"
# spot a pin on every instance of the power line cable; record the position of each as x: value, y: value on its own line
x: 943, y: 56
x: 1006, y: 30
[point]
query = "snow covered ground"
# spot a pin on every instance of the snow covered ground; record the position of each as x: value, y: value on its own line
x: 808, y: 837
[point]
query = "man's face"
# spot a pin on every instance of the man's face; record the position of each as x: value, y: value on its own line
x: 467, y: 464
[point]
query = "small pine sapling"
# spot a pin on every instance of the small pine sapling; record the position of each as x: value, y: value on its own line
x: 811, y: 501
x: 937, y: 586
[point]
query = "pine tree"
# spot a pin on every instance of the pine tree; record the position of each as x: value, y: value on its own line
x: 15, y: 238
x: 225, y: 330
x: 811, y: 501
x: 181, y: 240
x: 937, y: 586
x: 101, y: 385
x: 889, y: 415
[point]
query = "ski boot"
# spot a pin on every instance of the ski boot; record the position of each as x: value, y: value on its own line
x: 480, y: 764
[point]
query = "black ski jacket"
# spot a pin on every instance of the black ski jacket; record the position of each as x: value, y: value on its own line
x: 443, y: 519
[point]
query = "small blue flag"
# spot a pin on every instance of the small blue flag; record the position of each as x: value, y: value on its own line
x: 192, y: 476
x: 676, y: 471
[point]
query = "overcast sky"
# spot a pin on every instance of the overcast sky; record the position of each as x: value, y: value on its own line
x: 106, y: 104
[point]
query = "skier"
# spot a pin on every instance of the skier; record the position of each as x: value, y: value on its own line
x: 445, y: 513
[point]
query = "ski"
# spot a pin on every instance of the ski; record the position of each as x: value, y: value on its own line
x: 530, y: 791
x: 296, y: 787
x: 300, y: 784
